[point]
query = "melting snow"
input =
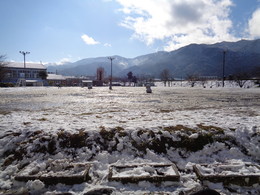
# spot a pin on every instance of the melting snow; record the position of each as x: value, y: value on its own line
x: 41, y: 124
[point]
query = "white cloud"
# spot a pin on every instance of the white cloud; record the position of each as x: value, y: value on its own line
x: 36, y: 62
x: 254, y: 24
x: 58, y: 63
x: 178, y: 22
x: 63, y: 61
x: 107, y: 45
x: 89, y: 40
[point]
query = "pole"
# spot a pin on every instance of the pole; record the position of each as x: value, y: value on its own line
x: 24, y: 53
x: 24, y: 61
x: 223, y: 70
x: 111, y: 59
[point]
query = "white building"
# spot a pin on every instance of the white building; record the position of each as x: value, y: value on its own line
x: 56, y: 80
x: 20, y: 75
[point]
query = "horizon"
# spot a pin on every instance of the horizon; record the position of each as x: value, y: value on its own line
x: 54, y: 64
x: 68, y: 31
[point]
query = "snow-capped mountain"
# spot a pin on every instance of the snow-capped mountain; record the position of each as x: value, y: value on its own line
x: 201, y: 59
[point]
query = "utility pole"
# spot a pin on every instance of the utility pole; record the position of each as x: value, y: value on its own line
x: 223, y: 68
x: 24, y: 53
x: 111, y: 59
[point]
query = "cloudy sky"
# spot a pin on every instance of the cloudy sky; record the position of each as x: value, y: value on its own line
x: 58, y: 31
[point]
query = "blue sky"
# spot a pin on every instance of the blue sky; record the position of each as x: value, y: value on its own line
x: 58, y: 31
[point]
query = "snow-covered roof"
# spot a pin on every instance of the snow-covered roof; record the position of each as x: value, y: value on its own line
x: 87, y: 81
x: 56, y: 77
x: 27, y: 65
x: 32, y: 81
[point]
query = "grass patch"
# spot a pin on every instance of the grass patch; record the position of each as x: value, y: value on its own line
x: 210, y: 127
x: 165, y: 111
x: 249, y: 113
x: 16, y: 154
x: 108, y: 135
x: 3, y: 112
x: 149, y: 133
x: 117, y: 139
x: 27, y: 123
x: 197, y: 144
x: 157, y: 142
x: 172, y: 129
x: 86, y: 114
x: 42, y: 119
x: 69, y: 140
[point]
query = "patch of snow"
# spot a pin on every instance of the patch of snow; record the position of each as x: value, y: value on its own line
x: 35, y: 185
x: 34, y: 119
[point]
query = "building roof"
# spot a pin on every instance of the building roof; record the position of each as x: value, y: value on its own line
x: 55, y: 77
x: 27, y: 65
x: 32, y: 81
x: 87, y: 81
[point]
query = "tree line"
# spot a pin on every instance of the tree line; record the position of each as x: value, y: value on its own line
x: 240, y: 78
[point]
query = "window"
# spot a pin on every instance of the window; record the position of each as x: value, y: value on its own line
x: 22, y: 75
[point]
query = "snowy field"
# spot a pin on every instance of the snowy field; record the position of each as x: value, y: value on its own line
x: 127, y: 126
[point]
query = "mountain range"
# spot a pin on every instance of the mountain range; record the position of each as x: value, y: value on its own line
x: 200, y: 59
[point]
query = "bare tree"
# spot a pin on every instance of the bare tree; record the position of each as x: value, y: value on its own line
x: 241, y: 78
x: 145, y: 78
x: 165, y: 76
x: 130, y: 77
x: 43, y: 75
x: 3, y: 65
x: 134, y: 80
x: 203, y: 81
x: 192, y: 79
x: 256, y: 75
